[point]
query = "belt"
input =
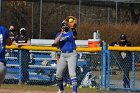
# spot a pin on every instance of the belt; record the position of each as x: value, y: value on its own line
x: 2, y: 60
x: 67, y: 51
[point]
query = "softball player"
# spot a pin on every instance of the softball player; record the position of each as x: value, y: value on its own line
x: 4, y: 39
x: 68, y: 57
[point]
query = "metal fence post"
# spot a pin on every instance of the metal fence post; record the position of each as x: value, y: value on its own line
x: 104, y: 65
x: 79, y: 18
x: 116, y: 11
x: 40, y: 32
x: 133, y: 70
x: 20, y: 66
x: 109, y: 69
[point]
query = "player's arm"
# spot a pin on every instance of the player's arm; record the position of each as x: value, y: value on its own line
x: 25, y: 44
x: 58, y: 37
x: 74, y: 33
x: 22, y: 44
x: 8, y: 41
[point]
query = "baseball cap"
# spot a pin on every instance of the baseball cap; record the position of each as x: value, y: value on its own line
x: 21, y: 29
x: 123, y: 37
x: 64, y: 24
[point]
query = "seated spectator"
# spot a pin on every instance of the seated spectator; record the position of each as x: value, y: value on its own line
x: 23, y: 40
x: 13, y: 34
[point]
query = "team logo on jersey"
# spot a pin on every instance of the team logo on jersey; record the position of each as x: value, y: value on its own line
x: 64, y: 38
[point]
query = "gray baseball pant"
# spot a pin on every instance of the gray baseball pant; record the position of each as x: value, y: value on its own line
x: 69, y: 59
x: 2, y: 72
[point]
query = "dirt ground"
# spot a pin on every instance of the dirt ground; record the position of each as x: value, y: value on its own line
x: 15, y: 88
x: 33, y: 91
x: 22, y: 91
x: 26, y: 91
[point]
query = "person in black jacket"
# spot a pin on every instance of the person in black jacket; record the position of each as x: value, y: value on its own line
x: 13, y: 34
x: 125, y: 59
x: 24, y: 40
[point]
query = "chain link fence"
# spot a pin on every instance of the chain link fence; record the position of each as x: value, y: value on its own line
x: 124, y: 69
x: 39, y: 67
x: 106, y: 69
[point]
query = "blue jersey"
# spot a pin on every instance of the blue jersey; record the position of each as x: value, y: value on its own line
x: 67, y: 42
x: 4, y: 34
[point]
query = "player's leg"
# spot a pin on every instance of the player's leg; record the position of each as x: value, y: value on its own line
x: 61, y: 65
x: 2, y: 72
x: 126, y: 79
x: 66, y: 76
x: 72, y: 61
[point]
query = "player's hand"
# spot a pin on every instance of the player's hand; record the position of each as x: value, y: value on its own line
x: 54, y: 45
x: 62, y: 30
x: 18, y: 45
x: 116, y: 45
